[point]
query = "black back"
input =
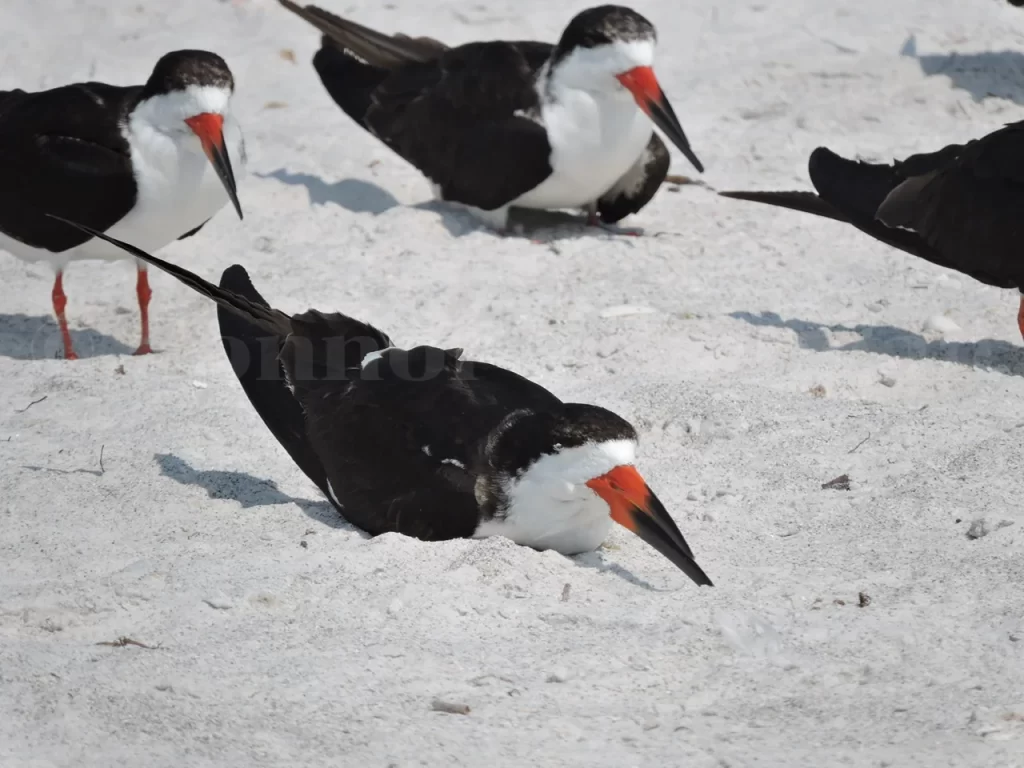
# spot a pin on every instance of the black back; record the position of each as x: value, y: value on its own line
x: 62, y: 152
x: 462, y: 119
x: 398, y: 443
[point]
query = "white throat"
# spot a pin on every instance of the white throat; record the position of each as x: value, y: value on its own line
x: 596, y: 130
x: 178, y: 189
x: 550, y: 505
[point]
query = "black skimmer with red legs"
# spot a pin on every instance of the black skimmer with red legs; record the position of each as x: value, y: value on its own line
x: 421, y: 442
x: 959, y: 207
x: 499, y: 125
x: 148, y: 164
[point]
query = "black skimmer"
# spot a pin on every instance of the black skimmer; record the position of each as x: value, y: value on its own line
x: 418, y: 441
x: 132, y: 161
x: 495, y: 125
x: 959, y: 207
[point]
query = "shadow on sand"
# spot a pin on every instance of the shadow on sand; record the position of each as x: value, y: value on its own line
x: 359, y: 196
x: 538, y: 225
x: 895, y: 342
x: 246, y: 489
x: 984, y: 74
x: 36, y: 337
x: 596, y: 560
x: 353, y: 195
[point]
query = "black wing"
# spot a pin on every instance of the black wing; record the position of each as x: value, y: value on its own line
x: 402, y: 441
x: 468, y: 121
x: 466, y: 117
x: 62, y: 152
x: 957, y: 208
x: 253, y: 354
x: 635, y: 190
x: 965, y: 203
x: 375, y: 48
x: 394, y: 441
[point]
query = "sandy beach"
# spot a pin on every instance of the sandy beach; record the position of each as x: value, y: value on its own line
x: 760, y: 354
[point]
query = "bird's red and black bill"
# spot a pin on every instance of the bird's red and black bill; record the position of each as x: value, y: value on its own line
x: 634, y: 506
x: 643, y: 84
x: 209, y: 127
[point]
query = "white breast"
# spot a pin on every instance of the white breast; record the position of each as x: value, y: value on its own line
x: 577, y: 526
x: 552, y: 507
x: 595, y: 140
x: 178, y: 190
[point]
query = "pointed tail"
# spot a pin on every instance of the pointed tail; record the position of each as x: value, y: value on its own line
x: 805, y: 202
x: 268, y: 319
x: 373, y: 47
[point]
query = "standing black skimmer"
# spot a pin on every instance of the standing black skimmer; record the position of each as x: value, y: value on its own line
x: 420, y: 442
x: 958, y: 208
x: 132, y: 161
x: 495, y: 125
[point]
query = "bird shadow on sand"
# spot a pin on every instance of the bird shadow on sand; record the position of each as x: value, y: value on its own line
x: 895, y: 342
x: 596, y: 561
x: 246, y: 489
x: 37, y: 337
x: 984, y: 74
x: 359, y: 196
x: 353, y: 195
x: 525, y: 223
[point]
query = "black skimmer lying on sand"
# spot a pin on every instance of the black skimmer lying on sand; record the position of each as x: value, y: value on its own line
x: 418, y: 441
x: 958, y: 208
x: 495, y: 125
x: 132, y: 161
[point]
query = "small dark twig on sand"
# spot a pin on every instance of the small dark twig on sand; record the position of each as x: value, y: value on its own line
x: 123, y: 642
x: 858, y: 445
x: 34, y: 402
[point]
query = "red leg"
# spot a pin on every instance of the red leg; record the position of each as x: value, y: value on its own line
x: 60, y: 301
x: 144, y: 293
x: 1020, y: 316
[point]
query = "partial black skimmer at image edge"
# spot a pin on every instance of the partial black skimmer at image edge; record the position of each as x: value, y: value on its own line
x: 960, y: 207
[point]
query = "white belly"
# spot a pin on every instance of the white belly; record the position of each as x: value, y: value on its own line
x: 178, y: 190
x: 569, y: 527
x: 594, y: 142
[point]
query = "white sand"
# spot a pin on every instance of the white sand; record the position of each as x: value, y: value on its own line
x: 287, y: 638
